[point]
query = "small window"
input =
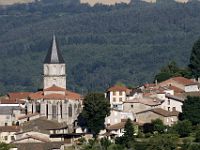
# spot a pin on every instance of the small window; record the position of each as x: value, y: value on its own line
x: 5, y: 138
x: 114, y: 99
x: 168, y: 108
x: 114, y: 93
x: 12, y: 138
x: 120, y: 99
x: 131, y: 106
x: 168, y: 102
x: 120, y: 93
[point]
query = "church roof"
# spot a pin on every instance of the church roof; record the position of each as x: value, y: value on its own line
x: 54, y: 88
x: 54, y: 55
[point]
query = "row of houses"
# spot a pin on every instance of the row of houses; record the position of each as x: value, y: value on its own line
x: 149, y: 102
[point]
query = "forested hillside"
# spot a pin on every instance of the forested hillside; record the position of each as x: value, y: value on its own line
x: 102, y: 45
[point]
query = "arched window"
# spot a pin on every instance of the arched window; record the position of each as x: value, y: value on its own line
x: 70, y: 110
x: 75, y: 108
x: 79, y: 108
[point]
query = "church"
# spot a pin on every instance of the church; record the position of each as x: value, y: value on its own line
x: 54, y: 101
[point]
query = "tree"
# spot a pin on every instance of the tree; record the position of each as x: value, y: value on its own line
x: 4, y: 146
x: 96, y: 108
x: 155, y: 126
x: 195, y: 59
x: 128, y: 137
x: 191, y: 109
x: 163, y: 142
x: 172, y: 70
x: 105, y: 143
x: 158, y: 126
x: 183, y: 128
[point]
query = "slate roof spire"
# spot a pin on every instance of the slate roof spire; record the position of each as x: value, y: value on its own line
x: 54, y: 55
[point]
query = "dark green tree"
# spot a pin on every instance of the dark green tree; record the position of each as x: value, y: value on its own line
x: 172, y: 70
x: 191, y: 109
x: 105, y: 143
x: 96, y: 108
x: 195, y: 59
x: 163, y: 142
x: 158, y: 126
x: 183, y: 128
x: 128, y: 137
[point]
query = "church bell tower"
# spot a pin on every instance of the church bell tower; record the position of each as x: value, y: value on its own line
x: 54, y: 67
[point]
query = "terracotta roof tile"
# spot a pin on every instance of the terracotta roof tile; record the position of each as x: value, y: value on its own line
x: 118, y: 88
x: 10, y: 128
x: 183, y: 80
x: 36, y: 96
x: 55, y: 88
x: 18, y: 95
x: 176, y: 89
x: 165, y: 113
x: 55, y: 97
x: 12, y: 101
x: 72, y: 95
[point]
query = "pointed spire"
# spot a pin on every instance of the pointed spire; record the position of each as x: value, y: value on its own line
x: 54, y: 55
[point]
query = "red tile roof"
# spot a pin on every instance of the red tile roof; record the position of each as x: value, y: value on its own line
x: 8, y: 101
x: 36, y: 96
x: 72, y: 95
x: 118, y: 88
x: 176, y: 89
x: 55, y: 88
x: 18, y: 95
x: 165, y: 113
x: 55, y: 97
x: 10, y: 128
x: 183, y: 80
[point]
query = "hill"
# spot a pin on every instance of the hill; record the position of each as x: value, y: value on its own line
x: 11, y: 2
x: 102, y: 45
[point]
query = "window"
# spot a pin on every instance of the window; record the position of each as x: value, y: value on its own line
x: 5, y: 138
x: 12, y: 138
x: 70, y: 110
x: 75, y: 108
x: 54, y: 111
x: 131, y: 106
x: 120, y: 93
x: 114, y: 93
x: 168, y: 108
x: 114, y: 99
x: 120, y: 99
x: 168, y: 102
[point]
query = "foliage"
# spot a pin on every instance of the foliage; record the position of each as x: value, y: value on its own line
x: 105, y: 143
x: 95, y: 109
x: 158, y: 126
x: 4, y: 146
x: 102, y: 45
x: 191, y: 109
x: 171, y: 70
x: 197, y: 135
x: 195, y: 59
x: 163, y: 142
x: 183, y: 128
x: 155, y: 126
x: 127, y: 138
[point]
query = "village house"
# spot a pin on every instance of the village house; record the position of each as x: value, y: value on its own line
x: 168, y: 117
x: 7, y: 133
